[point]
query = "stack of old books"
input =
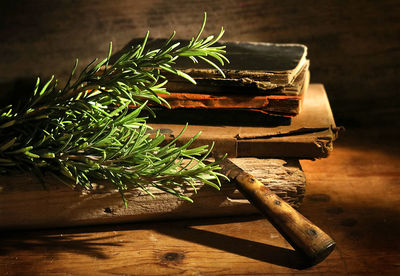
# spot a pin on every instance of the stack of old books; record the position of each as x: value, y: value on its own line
x: 264, y: 107
x: 264, y: 115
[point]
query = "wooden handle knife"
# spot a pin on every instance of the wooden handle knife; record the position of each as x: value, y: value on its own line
x: 301, y: 233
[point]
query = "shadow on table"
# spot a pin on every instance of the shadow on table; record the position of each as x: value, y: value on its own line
x: 243, y: 247
x: 82, y: 241
x: 53, y: 242
x: 382, y: 139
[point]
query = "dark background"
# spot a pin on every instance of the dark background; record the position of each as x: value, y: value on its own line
x: 354, y: 46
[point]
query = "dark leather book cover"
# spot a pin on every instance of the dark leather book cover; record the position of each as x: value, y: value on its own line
x: 254, y: 67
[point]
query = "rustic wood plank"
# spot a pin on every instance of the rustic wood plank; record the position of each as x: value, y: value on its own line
x: 353, y: 195
x: 25, y: 204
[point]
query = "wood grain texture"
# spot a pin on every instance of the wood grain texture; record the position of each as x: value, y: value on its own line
x: 353, y: 46
x: 25, y: 204
x: 353, y: 195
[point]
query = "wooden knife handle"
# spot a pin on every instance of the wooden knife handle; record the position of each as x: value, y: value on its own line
x: 301, y: 233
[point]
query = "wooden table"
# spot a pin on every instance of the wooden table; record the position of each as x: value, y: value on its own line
x: 354, y: 195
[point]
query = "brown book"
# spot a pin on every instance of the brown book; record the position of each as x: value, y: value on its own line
x: 307, y: 135
x: 286, y: 103
x: 266, y: 77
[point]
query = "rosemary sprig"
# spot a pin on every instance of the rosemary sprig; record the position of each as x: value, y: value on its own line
x: 87, y: 130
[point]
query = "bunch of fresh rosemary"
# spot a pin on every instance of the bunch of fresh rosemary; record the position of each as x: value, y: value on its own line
x: 87, y: 130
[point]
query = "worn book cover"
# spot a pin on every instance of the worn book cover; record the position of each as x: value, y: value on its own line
x: 240, y: 134
x: 254, y: 67
x: 288, y: 103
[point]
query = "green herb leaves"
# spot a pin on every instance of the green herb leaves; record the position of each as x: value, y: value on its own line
x: 93, y: 127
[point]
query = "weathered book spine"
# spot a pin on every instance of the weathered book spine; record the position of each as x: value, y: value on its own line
x: 282, y: 104
x: 289, y: 105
